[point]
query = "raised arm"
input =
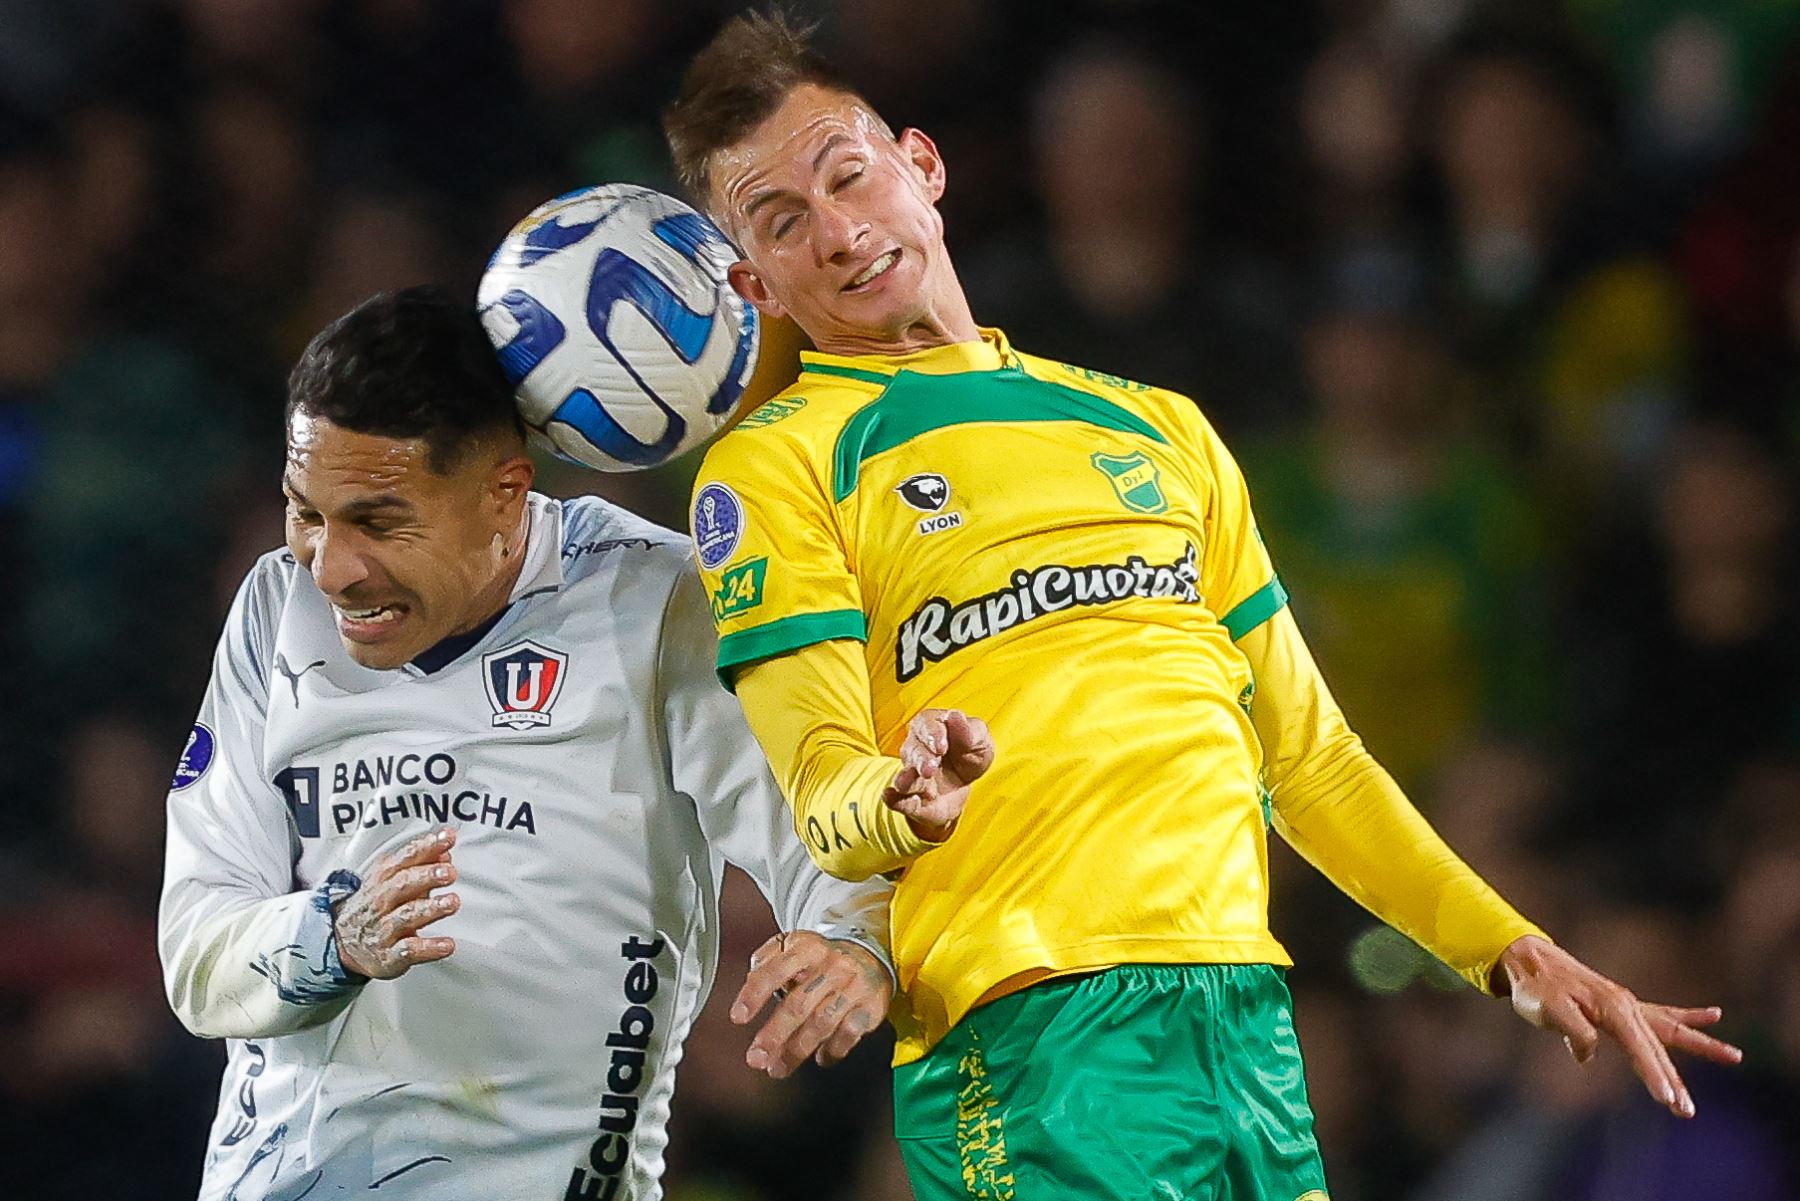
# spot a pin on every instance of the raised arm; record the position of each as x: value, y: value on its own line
x: 776, y: 568
x: 244, y: 954
x: 830, y: 967
x: 1337, y: 806
x: 1345, y: 814
x: 860, y: 812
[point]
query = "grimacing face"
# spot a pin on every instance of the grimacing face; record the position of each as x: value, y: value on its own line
x: 838, y: 223
x: 406, y: 556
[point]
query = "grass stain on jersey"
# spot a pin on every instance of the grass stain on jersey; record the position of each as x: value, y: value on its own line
x: 479, y: 1094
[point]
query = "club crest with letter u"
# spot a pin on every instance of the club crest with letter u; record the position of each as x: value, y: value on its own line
x: 523, y: 681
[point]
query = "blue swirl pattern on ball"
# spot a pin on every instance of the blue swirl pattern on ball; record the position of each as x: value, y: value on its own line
x: 583, y: 422
x: 539, y: 333
x: 688, y: 233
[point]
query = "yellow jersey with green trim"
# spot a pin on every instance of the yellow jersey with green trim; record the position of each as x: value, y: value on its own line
x: 1066, y: 554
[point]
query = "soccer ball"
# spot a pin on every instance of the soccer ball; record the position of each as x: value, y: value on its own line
x: 611, y: 313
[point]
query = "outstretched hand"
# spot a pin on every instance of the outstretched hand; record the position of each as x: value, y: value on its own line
x: 828, y: 993
x: 945, y: 751
x: 1553, y: 990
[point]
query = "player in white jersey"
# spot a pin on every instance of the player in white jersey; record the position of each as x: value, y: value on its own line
x: 447, y: 679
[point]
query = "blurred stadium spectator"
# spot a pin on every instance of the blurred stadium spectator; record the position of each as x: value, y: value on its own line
x: 1121, y: 272
x: 1409, y: 547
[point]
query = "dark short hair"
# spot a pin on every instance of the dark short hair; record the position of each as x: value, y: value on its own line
x: 735, y: 83
x: 409, y: 364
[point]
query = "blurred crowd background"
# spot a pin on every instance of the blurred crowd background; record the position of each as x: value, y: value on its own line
x: 1499, y: 305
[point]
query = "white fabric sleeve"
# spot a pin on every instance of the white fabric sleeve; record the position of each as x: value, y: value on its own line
x: 715, y: 761
x: 244, y: 955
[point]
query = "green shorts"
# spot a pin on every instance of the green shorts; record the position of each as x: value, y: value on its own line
x: 1153, y: 1083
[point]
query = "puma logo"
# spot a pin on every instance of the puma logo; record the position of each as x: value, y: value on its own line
x: 293, y: 677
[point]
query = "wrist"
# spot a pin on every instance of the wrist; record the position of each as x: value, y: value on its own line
x: 932, y: 832
x: 874, y: 961
x: 330, y: 897
x: 336, y: 968
x: 1522, y: 956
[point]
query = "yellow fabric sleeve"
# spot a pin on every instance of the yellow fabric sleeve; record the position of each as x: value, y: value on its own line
x: 810, y: 710
x: 1345, y: 814
x: 1235, y: 571
x: 770, y: 551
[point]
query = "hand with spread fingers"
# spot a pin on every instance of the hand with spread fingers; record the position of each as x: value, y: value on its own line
x: 1553, y: 990
x: 378, y: 925
x: 945, y: 752
x: 828, y: 994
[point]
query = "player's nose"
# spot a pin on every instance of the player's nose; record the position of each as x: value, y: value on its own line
x: 337, y: 563
x: 837, y: 234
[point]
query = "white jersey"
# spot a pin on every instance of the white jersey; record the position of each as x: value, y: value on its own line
x: 599, y: 777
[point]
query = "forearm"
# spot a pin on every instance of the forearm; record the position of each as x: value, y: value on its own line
x: 810, y: 712
x: 247, y: 968
x: 243, y: 956
x: 1341, y: 810
x: 1356, y: 826
x: 715, y: 760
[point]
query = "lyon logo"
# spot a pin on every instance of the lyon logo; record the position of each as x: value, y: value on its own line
x: 927, y: 491
x: 523, y: 681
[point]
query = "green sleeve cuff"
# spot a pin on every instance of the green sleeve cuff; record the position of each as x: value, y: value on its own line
x: 787, y: 634
x: 1255, y: 609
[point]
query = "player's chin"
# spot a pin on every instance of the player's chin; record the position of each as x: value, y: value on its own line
x: 393, y: 643
x: 377, y: 658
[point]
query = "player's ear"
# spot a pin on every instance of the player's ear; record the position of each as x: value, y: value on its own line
x: 748, y: 284
x: 923, y: 154
x: 510, y: 483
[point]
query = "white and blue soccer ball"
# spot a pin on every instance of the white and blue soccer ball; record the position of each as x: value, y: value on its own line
x: 611, y: 313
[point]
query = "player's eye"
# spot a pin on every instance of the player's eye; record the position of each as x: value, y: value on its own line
x: 785, y: 225
x: 848, y: 179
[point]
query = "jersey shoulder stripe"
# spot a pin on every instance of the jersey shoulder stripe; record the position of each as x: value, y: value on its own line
x: 915, y: 403
x: 787, y: 634
x: 256, y: 614
x: 1255, y: 609
x: 805, y: 415
x: 1176, y: 415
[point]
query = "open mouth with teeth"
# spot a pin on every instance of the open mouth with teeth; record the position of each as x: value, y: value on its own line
x: 875, y: 270
x: 368, y: 624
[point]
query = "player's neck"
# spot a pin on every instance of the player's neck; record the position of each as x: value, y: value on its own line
x: 946, y: 320
x: 497, y: 594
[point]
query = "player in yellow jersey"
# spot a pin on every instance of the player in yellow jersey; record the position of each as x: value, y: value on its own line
x: 931, y: 529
